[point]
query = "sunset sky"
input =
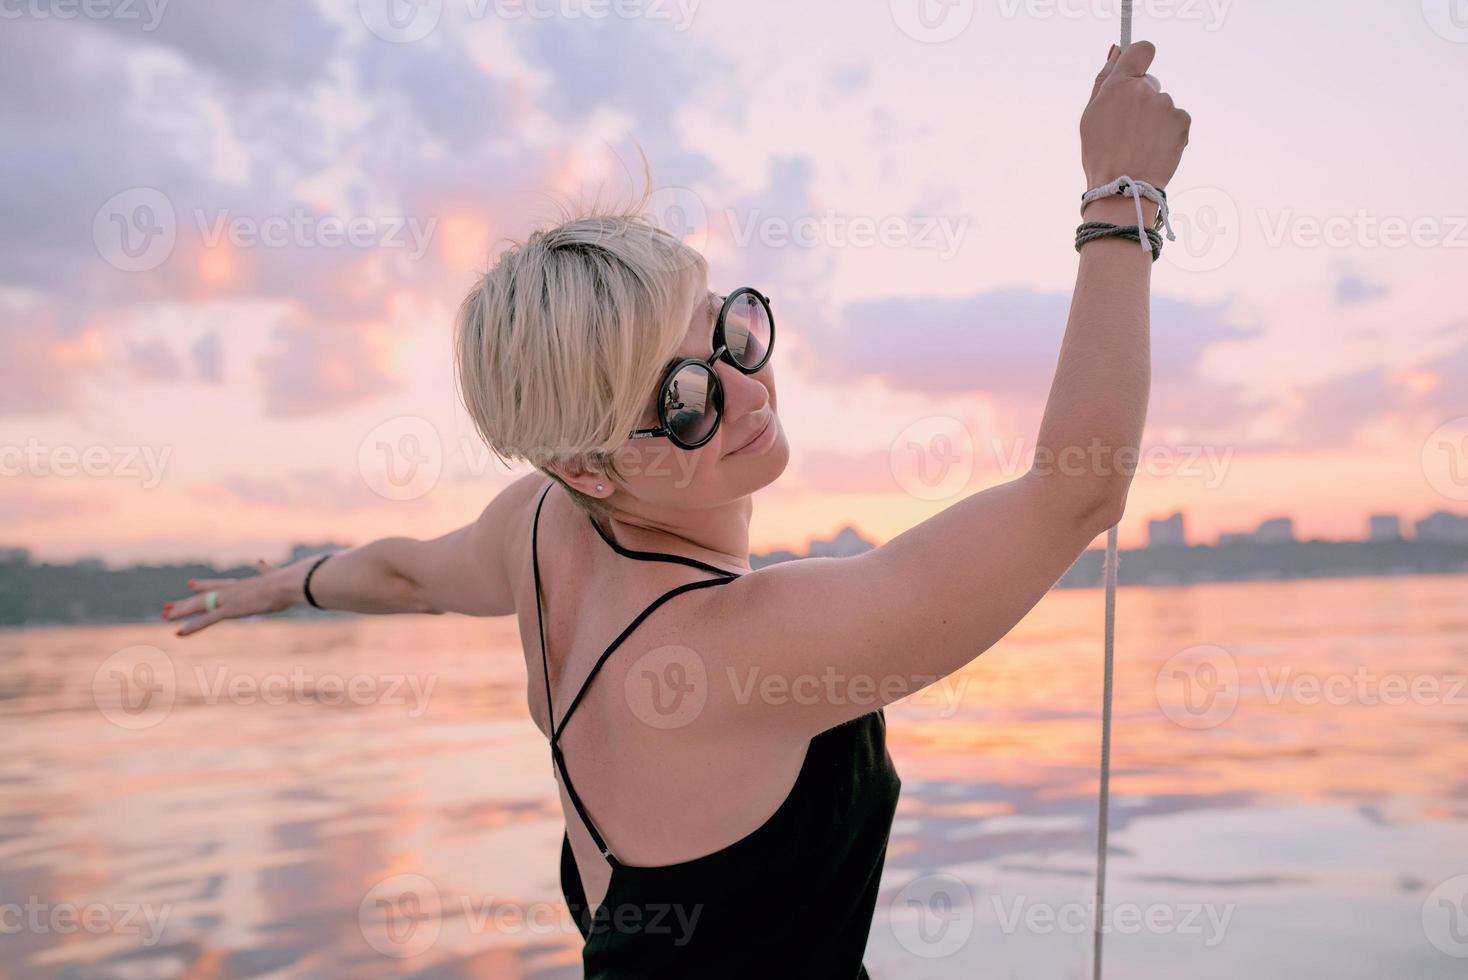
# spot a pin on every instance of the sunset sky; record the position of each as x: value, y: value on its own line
x: 235, y: 235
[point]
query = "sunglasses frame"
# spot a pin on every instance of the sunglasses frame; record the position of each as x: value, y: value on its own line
x: 721, y: 352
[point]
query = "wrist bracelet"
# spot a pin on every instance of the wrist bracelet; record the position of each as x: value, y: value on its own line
x: 1136, y: 190
x: 1095, y: 230
x: 306, y: 586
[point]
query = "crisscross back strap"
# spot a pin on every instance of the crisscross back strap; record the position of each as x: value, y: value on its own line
x: 556, y: 729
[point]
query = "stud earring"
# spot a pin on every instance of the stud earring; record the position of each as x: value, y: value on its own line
x: 600, y: 487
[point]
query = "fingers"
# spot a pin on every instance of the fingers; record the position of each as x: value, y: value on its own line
x: 1106, y: 71
x: 1136, y: 59
x: 182, y: 608
x: 199, y: 622
x: 199, y: 602
x: 1152, y: 82
x: 194, y: 613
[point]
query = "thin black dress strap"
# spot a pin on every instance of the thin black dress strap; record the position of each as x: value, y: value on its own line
x: 658, y: 555
x: 606, y: 654
x: 555, y: 738
x: 550, y: 715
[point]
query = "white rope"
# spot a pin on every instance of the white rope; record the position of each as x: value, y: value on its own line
x: 1125, y: 186
x: 1108, y: 575
x: 1103, y: 804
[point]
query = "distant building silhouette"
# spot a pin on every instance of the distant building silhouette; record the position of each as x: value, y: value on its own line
x: 1384, y: 527
x: 846, y: 544
x: 772, y: 558
x: 299, y: 551
x: 1277, y: 530
x: 1280, y: 530
x: 1167, y: 533
x: 1444, y: 527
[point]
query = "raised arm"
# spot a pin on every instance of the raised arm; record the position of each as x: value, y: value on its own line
x: 463, y: 571
x: 936, y: 596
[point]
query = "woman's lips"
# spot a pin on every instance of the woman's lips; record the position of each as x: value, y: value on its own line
x: 769, y: 423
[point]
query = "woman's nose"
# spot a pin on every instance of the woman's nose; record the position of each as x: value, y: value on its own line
x: 744, y: 394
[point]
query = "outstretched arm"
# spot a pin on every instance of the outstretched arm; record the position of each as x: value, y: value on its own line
x: 463, y: 571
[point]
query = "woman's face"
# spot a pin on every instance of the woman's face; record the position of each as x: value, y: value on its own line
x: 749, y: 450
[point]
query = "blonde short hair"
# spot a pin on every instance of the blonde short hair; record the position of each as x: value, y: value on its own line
x: 561, y: 344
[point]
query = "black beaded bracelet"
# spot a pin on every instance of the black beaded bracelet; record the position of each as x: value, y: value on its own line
x: 1095, y: 230
x: 306, y: 587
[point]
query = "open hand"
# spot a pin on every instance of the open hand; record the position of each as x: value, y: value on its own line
x: 235, y: 598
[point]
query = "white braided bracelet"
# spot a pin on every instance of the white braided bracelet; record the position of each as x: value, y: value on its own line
x: 1136, y: 190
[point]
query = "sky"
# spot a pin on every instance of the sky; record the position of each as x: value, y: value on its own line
x: 234, y: 238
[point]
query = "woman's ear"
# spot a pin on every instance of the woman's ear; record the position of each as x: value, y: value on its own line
x: 581, y: 479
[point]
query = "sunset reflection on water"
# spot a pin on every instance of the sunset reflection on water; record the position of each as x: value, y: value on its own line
x: 1288, y: 797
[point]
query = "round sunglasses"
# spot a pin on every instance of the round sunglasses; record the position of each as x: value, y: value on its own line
x: 690, y: 398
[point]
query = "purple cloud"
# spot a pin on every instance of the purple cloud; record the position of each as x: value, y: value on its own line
x: 1352, y: 290
x: 320, y: 367
x: 1005, y: 343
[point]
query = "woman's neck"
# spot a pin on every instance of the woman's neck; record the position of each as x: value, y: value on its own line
x: 718, y: 536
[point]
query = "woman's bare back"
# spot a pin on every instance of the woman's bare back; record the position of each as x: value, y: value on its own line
x: 663, y: 783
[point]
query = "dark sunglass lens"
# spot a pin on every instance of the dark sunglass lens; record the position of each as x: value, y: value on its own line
x: 747, y: 330
x: 688, y: 403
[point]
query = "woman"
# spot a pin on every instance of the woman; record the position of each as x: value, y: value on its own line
x: 717, y: 733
